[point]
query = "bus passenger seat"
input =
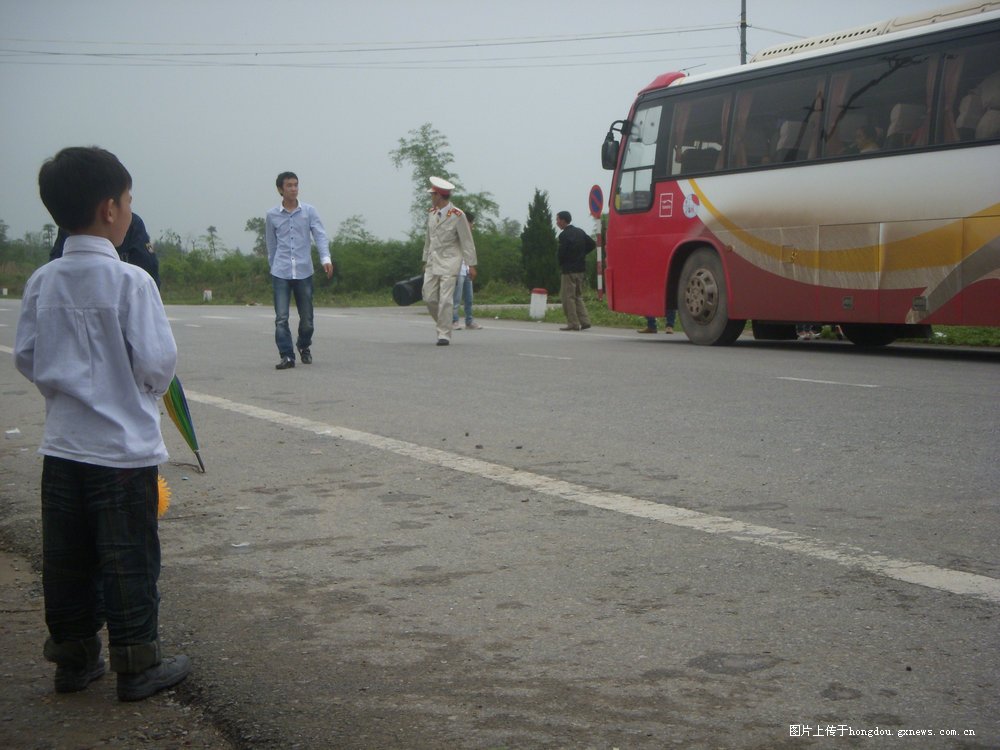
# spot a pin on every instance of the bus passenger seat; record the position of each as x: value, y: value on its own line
x: 903, y: 123
x: 788, y: 147
x: 989, y: 94
x: 970, y: 109
x: 699, y: 160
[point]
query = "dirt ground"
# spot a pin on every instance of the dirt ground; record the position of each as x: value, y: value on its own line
x: 34, y: 717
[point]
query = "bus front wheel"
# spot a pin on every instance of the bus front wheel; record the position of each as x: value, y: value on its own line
x: 704, y: 306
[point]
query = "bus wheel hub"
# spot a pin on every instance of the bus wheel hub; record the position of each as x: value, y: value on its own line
x: 702, y: 295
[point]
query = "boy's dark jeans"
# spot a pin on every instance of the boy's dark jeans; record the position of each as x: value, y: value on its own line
x: 100, y: 561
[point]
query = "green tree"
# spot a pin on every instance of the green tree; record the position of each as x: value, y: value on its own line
x: 499, y: 259
x: 481, y: 205
x: 258, y: 226
x: 510, y: 228
x: 169, y: 243
x: 353, y: 230
x: 19, y: 258
x: 427, y: 151
x: 213, y: 244
x: 49, y: 234
x: 539, y: 246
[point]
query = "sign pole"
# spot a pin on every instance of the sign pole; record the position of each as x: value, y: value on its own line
x: 596, y: 201
x: 599, y: 230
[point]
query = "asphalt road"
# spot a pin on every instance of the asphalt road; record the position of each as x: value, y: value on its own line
x: 539, y: 539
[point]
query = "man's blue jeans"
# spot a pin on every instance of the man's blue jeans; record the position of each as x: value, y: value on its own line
x: 284, y: 289
x: 463, y: 291
x: 100, y: 561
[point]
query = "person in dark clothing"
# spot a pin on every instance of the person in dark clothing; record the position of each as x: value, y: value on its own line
x: 574, y: 244
x: 135, y: 249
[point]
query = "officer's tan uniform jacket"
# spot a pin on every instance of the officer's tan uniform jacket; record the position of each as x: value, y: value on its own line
x: 448, y: 241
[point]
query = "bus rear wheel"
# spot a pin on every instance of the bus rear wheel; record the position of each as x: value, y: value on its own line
x: 704, y: 306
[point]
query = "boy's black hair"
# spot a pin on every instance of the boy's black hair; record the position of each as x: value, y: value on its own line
x: 280, y: 182
x: 565, y: 216
x: 74, y: 182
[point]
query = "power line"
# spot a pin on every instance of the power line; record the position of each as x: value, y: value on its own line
x: 374, y: 46
x: 110, y: 59
x: 262, y: 58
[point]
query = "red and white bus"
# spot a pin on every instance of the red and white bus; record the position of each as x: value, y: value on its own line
x: 852, y: 179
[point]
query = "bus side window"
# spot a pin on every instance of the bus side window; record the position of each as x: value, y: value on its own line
x: 969, y: 103
x: 696, y: 135
x: 988, y: 125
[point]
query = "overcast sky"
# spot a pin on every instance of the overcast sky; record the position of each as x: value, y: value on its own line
x: 205, y: 102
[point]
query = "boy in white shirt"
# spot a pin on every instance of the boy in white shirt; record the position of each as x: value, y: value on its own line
x: 94, y: 338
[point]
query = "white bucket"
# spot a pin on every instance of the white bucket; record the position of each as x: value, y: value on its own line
x: 539, y: 301
x: 206, y: 295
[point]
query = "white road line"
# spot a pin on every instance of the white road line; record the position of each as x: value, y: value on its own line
x: 543, y: 356
x: 588, y: 334
x: 921, y: 574
x: 6, y: 349
x: 830, y: 382
x: 219, y: 317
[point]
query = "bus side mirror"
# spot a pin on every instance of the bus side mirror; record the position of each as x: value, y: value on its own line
x: 609, y: 152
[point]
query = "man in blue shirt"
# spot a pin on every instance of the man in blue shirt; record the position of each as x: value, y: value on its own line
x: 289, y: 227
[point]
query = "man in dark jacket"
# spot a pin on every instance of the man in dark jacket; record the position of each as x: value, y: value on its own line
x: 574, y: 244
x: 135, y: 248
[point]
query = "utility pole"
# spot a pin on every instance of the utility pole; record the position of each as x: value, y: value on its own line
x: 743, y: 33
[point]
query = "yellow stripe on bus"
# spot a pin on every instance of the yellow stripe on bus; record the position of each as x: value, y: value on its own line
x: 924, y: 250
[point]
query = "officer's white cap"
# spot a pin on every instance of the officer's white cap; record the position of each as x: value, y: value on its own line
x: 440, y: 186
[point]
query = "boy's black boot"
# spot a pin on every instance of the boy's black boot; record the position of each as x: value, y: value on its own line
x: 140, y: 685
x: 78, y: 663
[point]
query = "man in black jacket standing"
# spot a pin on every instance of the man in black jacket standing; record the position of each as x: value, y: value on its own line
x: 135, y: 248
x: 574, y: 244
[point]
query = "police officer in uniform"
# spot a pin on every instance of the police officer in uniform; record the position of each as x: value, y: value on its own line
x: 448, y: 242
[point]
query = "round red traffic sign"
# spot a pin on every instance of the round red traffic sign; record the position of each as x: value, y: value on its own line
x: 596, y: 201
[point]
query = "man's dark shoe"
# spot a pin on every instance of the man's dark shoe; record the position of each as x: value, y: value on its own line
x: 443, y: 342
x: 584, y: 328
x: 73, y: 680
x: 286, y: 363
x: 570, y: 328
x: 306, y: 356
x: 166, y: 674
